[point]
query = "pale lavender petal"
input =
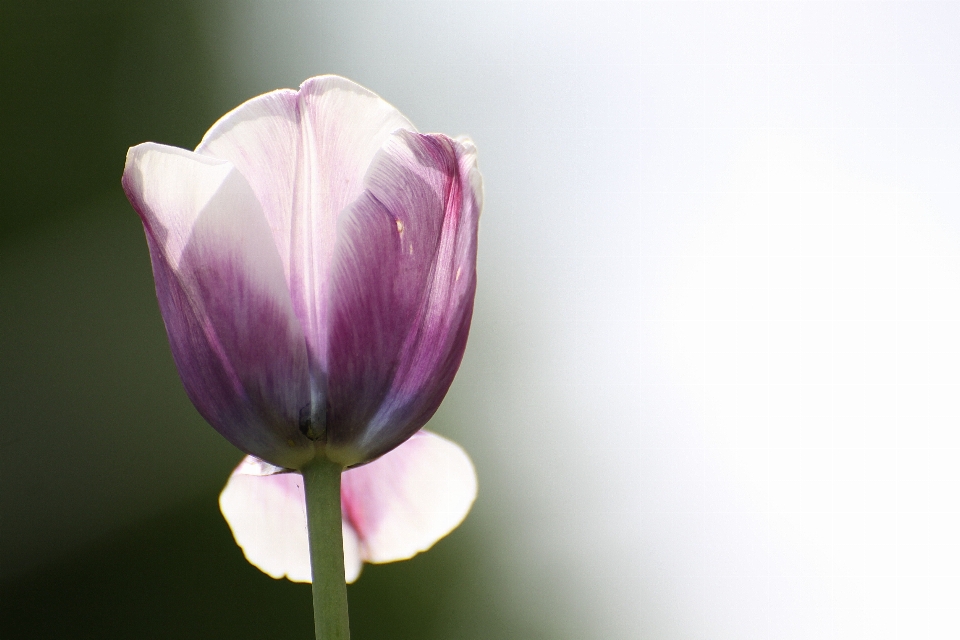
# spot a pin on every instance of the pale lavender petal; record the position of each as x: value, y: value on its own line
x: 405, y: 501
x: 402, y: 289
x: 221, y: 290
x: 267, y: 515
x: 261, y: 138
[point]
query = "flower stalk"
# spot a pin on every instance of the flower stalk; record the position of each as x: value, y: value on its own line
x: 321, y: 480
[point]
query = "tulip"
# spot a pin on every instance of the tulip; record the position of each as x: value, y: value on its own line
x: 315, y: 265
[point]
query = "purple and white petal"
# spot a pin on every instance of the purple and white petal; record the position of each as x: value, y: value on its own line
x: 267, y: 515
x: 433, y: 349
x: 221, y: 289
x: 342, y: 127
x: 261, y: 138
x: 402, y: 290
x: 405, y: 501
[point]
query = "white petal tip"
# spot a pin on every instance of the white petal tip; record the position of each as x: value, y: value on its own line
x: 267, y: 515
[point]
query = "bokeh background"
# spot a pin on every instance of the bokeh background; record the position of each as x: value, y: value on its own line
x: 712, y: 389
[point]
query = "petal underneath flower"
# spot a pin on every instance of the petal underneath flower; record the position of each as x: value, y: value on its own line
x: 269, y: 522
x: 393, y: 508
x: 404, y: 502
x: 402, y: 289
x: 235, y: 339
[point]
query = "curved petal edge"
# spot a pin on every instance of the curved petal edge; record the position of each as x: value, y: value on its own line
x: 407, y: 500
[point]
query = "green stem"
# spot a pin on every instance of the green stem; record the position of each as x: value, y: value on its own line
x: 321, y: 483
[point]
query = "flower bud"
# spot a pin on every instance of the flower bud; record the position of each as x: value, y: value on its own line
x: 315, y: 265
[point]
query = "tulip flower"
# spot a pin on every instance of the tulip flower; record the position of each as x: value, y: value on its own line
x: 315, y: 265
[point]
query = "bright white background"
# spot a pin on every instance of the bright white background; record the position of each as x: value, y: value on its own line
x: 712, y: 387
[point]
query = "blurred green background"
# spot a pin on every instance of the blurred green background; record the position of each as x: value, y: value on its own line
x: 109, y: 526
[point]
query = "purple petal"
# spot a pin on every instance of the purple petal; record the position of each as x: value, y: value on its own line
x: 402, y: 289
x: 405, y: 501
x: 235, y: 339
x: 267, y: 515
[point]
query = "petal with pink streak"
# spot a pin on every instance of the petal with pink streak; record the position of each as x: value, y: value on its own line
x: 267, y: 515
x: 405, y: 501
x: 221, y: 288
x: 402, y: 290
